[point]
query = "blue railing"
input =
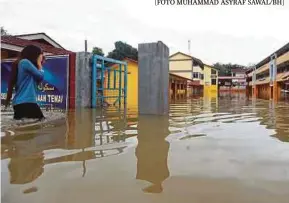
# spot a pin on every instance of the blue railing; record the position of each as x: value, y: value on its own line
x: 101, y: 72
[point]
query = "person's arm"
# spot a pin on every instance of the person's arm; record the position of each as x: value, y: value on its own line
x: 31, y: 68
x: 12, y: 82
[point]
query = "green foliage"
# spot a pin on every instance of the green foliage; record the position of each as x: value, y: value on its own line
x: 123, y: 50
x: 226, y: 69
x: 4, y: 32
x: 97, y: 51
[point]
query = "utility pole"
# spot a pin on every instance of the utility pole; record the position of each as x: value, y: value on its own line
x: 85, y: 47
x: 189, y: 47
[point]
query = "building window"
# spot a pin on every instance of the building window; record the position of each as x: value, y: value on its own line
x: 213, y: 81
x: 202, y: 76
x: 195, y: 75
x: 213, y: 72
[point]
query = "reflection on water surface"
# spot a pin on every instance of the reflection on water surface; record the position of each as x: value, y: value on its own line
x: 205, y: 148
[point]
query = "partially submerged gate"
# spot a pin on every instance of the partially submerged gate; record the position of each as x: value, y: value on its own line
x: 109, y: 82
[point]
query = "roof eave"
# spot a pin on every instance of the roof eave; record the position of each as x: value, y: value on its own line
x: 49, y: 39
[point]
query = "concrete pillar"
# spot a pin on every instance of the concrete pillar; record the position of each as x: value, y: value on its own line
x: 254, y: 91
x: 181, y: 90
x: 153, y: 74
x: 247, y: 90
x: 186, y: 90
x: 279, y: 88
x: 83, y: 80
x: 170, y: 87
x: 175, y: 89
x: 178, y: 90
x: 275, y: 91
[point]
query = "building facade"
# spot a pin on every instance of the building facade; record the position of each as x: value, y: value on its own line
x: 189, y: 67
x: 239, y: 77
x: 210, y: 79
x: 269, y: 79
x: 204, y: 77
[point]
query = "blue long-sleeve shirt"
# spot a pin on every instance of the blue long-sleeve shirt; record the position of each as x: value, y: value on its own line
x: 27, y: 78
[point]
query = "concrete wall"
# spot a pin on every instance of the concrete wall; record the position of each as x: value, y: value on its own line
x: 83, y: 80
x: 153, y: 92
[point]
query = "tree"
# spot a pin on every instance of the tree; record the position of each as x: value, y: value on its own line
x: 226, y: 69
x: 97, y: 51
x: 223, y: 71
x: 123, y: 50
x: 4, y: 32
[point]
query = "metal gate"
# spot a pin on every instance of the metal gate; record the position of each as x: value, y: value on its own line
x: 109, y: 82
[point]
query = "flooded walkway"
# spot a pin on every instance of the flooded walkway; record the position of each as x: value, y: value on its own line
x: 226, y: 149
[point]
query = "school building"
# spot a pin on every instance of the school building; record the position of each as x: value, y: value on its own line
x: 270, y: 78
x: 204, y: 77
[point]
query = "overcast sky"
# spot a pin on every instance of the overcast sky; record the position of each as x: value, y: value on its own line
x: 236, y: 34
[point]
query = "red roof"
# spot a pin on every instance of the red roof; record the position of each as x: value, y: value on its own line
x: 238, y: 70
x: 129, y: 59
x: 23, y: 42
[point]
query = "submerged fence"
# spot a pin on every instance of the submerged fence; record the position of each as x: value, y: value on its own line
x: 109, y: 82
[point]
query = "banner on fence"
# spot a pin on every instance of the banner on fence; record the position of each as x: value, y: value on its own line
x: 52, y: 92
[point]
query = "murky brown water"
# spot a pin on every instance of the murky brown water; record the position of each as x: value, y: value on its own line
x: 229, y: 149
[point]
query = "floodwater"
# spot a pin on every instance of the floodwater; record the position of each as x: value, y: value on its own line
x: 227, y: 149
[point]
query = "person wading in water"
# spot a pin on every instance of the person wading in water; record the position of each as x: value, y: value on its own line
x: 26, y: 74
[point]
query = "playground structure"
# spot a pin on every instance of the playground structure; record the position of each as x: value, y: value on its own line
x: 109, y: 82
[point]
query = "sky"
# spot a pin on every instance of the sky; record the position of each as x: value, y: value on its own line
x: 226, y: 34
